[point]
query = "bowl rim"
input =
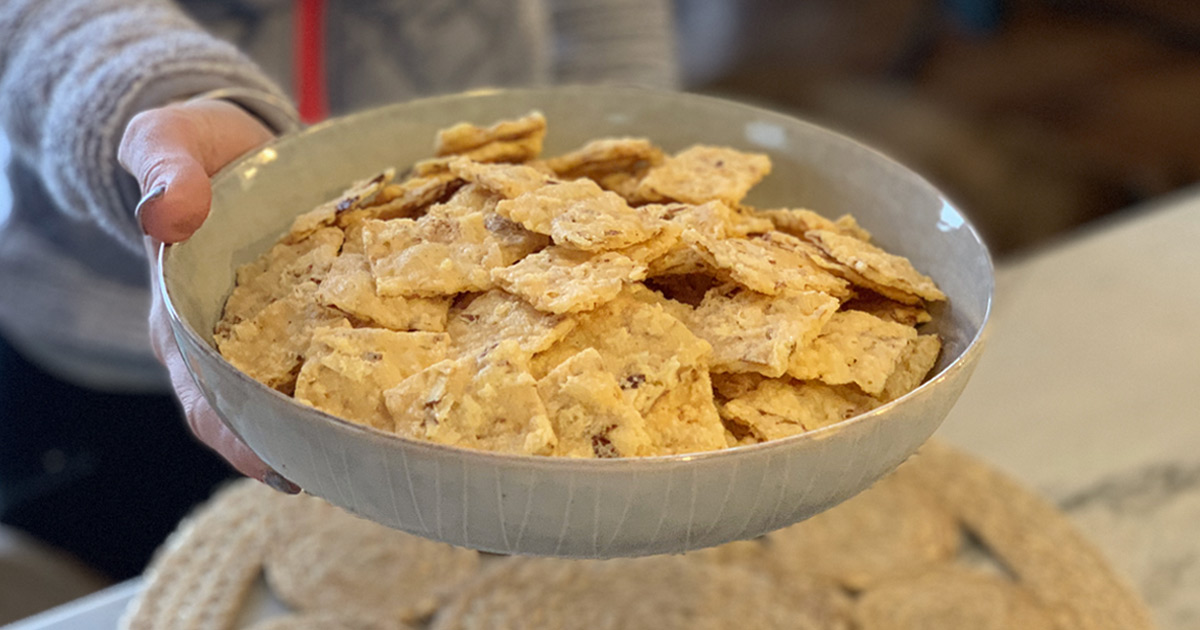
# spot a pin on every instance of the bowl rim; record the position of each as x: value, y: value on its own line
x: 965, y: 358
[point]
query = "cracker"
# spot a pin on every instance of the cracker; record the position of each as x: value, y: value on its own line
x: 674, y: 308
x: 798, y: 221
x: 605, y: 156
x: 888, y: 274
x: 705, y: 173
x: 854, y: 347
x: 752, y: 332
x: 778, y: 408
x: 507, y: 180
x: 202, y: 576
x: 329, y: 561
x: 915, y: 362
x: 350, y: 288
x: 728, y: 385
x: 684, y: 419
x: 581, y: 214
x: 405, y: 200
x: 664, y: 592
x: 642, y: 345
x: 277, y: 272
x: 565, y: 280
x: 893, y: 530
x: 887, y: 309
x: 471, y: 140
x: 713, y: 219
x: 485, y: 402
x: 346, y: 370
x: 270, y: 346
x: 951, y: 598
x: 497, y: 315
x: 332, y: 621
x: 589, y: 412
x: 359, y: 194
x: 434, y: 256
x: 763, y: 266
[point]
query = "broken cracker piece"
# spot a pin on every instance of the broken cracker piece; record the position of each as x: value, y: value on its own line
x: 346, y: 370
x: 685, y: 418
x: 798, y: 221
x: 590, y: 414
x: 564, y: 280
x: 471, y: 140
x: 888, y: 274
x: 507, y: 180
x: 777, y: 408
x: 705, y: 173
x: 277, y: 272
x: 270, y: 346
x: 497, y: 315
x: 359, y: 194
x: 487, y: 402
x: 915, y: 362
x: 763, y: 266
x: 580, y: 214
x: 854, y: 347
x: 752, y: 332
x: 350, y: 288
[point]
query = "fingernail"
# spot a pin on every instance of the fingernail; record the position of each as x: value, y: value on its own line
x: 154, y: 194
x: 277, y: 482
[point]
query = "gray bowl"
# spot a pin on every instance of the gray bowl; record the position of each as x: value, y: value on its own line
x: 569, y: 507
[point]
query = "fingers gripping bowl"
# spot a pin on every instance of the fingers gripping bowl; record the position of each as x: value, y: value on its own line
x: 579, y: 507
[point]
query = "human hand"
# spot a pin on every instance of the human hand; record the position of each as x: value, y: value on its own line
x: 172, y: 152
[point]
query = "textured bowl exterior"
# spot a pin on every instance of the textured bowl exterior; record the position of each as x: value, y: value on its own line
x: 566, y: 507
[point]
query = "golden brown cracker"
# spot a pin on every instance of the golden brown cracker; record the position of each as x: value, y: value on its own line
x: 359, y: 194
x: 405, y: 200
x: 270, y: 346
x: 713, y: 219
x: 778, y: 408
x: 277, y: 272
x: 564, y: 280
x: 329, y: 561
x: 763, y: 266
x: 590, y: 415
x: 684, y: 419
x: 467, y: 139
x: 888, y: 309
x: 488, y: 318
x: 433, y: 256
x: 350, y: 288
x: 951, y: 598
x: 642, y: 345
x: 346, y: 370
x: 915, y: 362
x: 580, y: 214
x: 894, y: 529
x: 705, y: 173
x: 752, y: 332
x: 798, y: 221
x: 487, y: 402
x: 606, y: 155
x: 891, y: 275
x: 853, y: 347
x: 507, y: 180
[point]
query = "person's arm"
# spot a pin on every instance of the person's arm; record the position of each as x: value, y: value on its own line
x: 73, y: 73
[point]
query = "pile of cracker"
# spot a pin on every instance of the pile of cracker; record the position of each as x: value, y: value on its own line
x: 613, y: 301
x: 945, y: 542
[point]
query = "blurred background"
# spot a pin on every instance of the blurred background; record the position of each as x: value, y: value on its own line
x: 1036, y: 116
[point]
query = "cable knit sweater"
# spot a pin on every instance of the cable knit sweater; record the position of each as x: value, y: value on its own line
x: 73, y: 282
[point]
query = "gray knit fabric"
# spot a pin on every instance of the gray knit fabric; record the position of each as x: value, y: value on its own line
x: 73, y: 72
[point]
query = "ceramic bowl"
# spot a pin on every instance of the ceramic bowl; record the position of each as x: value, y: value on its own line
x: 570, y: 507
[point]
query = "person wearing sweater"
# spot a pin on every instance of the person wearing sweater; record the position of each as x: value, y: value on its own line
x: 113, y: 106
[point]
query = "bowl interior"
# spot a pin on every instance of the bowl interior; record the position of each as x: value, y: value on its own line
x: 255, y: 199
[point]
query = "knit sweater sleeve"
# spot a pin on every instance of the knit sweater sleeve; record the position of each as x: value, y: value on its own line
x: 629, y: 41
x: 74, y: 72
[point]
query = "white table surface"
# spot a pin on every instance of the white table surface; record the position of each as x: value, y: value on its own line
x: 1087, y: 391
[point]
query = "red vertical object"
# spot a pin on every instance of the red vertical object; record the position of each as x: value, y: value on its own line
x: 308, y: 61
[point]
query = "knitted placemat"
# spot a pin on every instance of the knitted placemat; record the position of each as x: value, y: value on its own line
x: 944, y: 542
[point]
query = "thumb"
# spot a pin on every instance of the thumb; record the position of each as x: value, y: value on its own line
x: 172, y: 151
